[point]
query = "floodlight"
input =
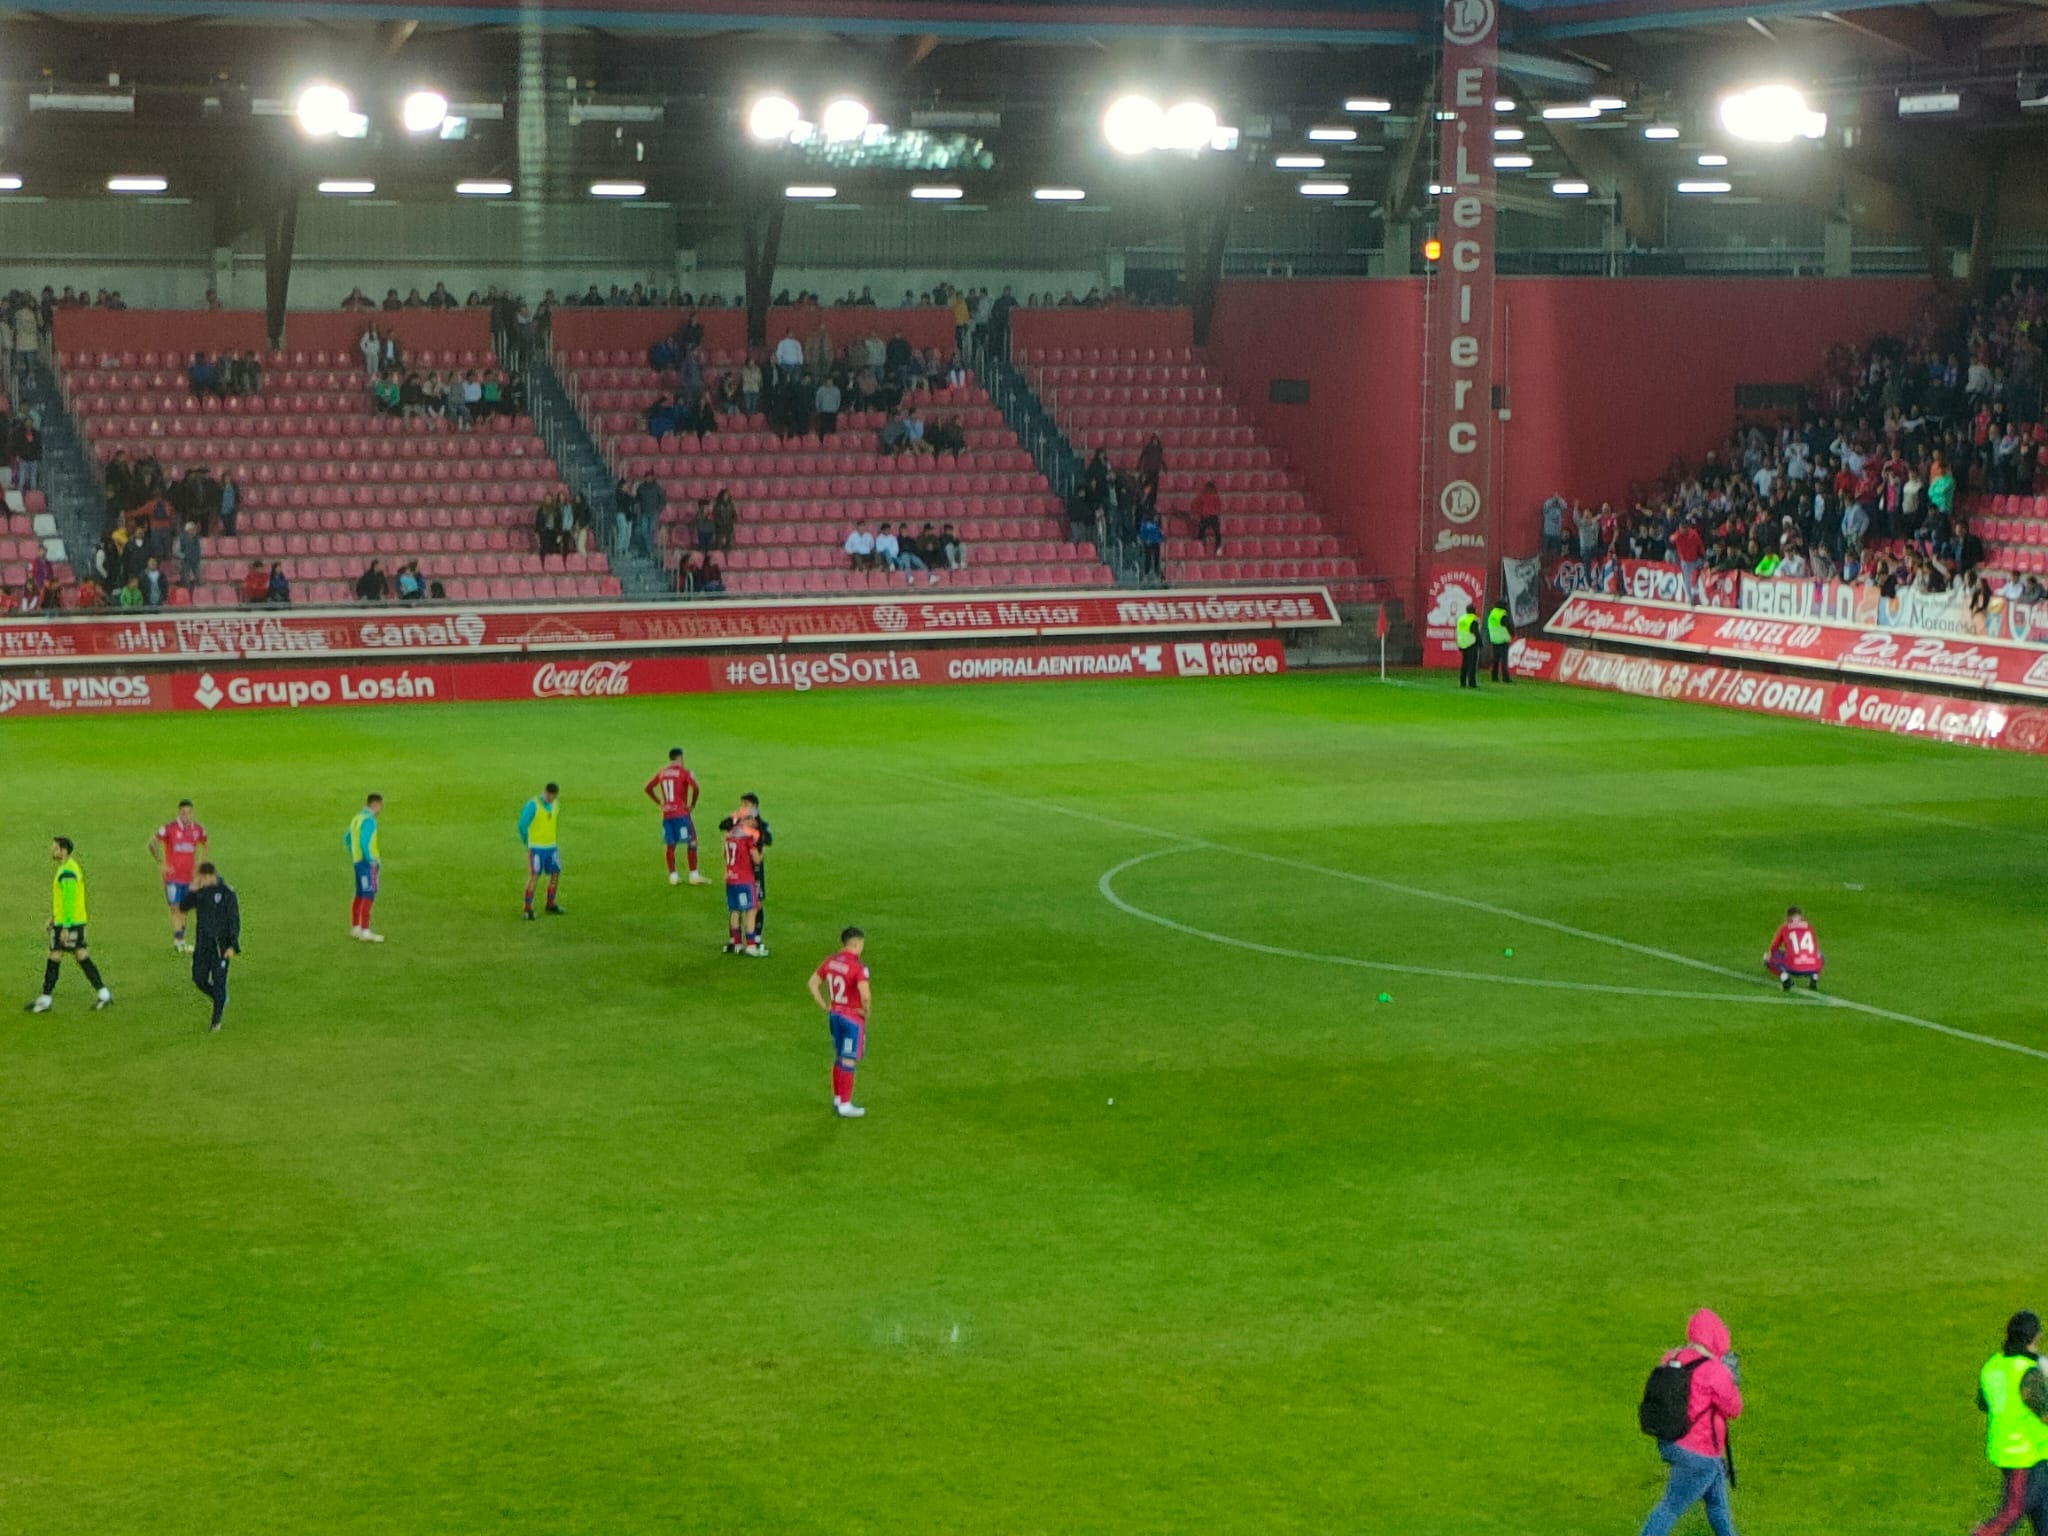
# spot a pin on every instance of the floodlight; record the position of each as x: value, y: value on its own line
x: 1325, y: 188
x: 322, y: 110
x: 347, y: 188
x: 1060, y: 195
x: 772, y: 118
x: 1570, y: 188
x: 844, y: 119
x: 1512, y: 162
x: 1771, y: 114
x: 1188, y: 125
x: 1133, y: 125
x: 137, y: 184
x: 1704, y: 188
x: 424, y: 112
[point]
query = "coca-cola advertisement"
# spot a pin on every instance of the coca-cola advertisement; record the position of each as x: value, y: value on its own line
x: 384, y: 634
x: 1931, y: 717
x: 1997, y: 666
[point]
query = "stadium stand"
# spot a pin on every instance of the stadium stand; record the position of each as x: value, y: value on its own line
x: 1116, y: 397
x: 798, y: 496
x: 327, y: 485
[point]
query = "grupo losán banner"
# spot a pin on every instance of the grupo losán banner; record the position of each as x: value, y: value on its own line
x: 1996, y: 666
x: 231, y: 687
x: 168, y: 636
x: 1932, y: 717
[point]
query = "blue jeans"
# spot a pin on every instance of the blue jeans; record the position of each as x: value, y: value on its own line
x: 1694, y: 1479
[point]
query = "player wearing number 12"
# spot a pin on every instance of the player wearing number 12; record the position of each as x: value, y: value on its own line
x: 1795, y: 952
x: 675, y: 790
x: 840, y: 987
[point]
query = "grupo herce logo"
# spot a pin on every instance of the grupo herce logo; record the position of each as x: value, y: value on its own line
x: 891, y: 619
x: 1458, y: 501
x: 1468, y: 21
x: 208, y: 693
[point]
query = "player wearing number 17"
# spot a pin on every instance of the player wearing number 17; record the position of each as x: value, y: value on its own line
x: 674, y: 789
x: 1795, y: 952
x: 840, y: 987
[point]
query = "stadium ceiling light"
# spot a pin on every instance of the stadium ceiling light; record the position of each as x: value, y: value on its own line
x: 10, y: 183
x: 1508, y: 135
x: 1325, y: 188
x: 322, y: 110
x: 1660, y: 131
x: 1571, y: 112
x: 1771, y: 114
x: 844, y: 119
x: 1704, y: 188
x: 1512, y: 162
x: 1570, y: 188
x: 1503, y: 103
x: 772, y: 118
x: 424, y: 112
x: 1368, y: 104
x: 1713, y: 160
x: 347, y: 188
x: 618, y: 189
x: 483, y: 189
x: 1607, y: 104
x: 810, y: 192
x: 1336, y: 134
x: 1133, y: 125
x: 137, y: 184
x: 1298, y: 162
x: 937, y: 194
x: 1060, y: 195
x: 1435, y: 190
x: 1188, y: 126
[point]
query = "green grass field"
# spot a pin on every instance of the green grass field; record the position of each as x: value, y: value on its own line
x: 549, y: 1228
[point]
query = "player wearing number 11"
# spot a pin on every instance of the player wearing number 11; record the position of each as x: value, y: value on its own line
x: 840, y: 987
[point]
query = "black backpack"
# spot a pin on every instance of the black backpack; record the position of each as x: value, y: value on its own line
x: 1666, y: 1409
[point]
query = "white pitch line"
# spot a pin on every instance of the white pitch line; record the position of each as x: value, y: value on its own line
x: 1107, y: 885
x: 1828, y: 999
x: 1958, y: 824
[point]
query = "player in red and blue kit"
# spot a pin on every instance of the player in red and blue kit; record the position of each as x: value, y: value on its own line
x: 675, y: 790
x: 742, y: 885
x: 840, y: 987
x: 1795, y: 952
x: 177, y: 846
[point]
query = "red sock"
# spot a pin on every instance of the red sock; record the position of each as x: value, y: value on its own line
x: 842, y: 1084
x: 355, y: 913
x: 553, y: 881
x: 691, y: 851
x: 669, y: 853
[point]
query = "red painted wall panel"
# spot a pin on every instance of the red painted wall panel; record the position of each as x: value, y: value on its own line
x: 1134, y: 328
x: 726, y: 329
x: 186, y: 331
x: 1608, y: 380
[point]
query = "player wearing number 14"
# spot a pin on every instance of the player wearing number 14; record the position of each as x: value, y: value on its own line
x: 840, y: 987
x: 1795, y: 952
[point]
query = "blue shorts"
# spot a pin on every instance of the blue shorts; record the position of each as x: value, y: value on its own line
x: 544, y: 861
x: 174, y: 893
x: 366, y: 879
x: 849, y: 1038
x: 678, y: 829
x: 739, y: 898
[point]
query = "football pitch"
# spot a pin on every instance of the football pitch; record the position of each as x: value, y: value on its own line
x: 1161, y: 1221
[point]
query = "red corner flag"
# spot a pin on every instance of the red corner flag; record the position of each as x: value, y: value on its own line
x: 1381, y: 629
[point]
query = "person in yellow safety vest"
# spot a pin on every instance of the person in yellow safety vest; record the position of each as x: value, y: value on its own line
x: 2014, y: 1396
x: 1468, y: 649
x: 1500, y: 635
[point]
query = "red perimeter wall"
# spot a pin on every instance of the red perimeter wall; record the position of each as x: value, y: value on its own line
x: 725, y: 330
x: 1608, y: 379
x: 186, y: 331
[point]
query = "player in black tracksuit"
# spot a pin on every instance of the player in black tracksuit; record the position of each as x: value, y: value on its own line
x: 219, y: 936
x: 753, y: 803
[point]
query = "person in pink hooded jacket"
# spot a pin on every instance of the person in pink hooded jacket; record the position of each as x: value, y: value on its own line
x: 1698, y: 1458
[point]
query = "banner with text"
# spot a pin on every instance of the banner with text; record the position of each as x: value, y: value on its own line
x: 229, y: 688
x: 270, y: 634
x: 1994, y: 665
x: 1968, y: 722
x: 1456, y: 519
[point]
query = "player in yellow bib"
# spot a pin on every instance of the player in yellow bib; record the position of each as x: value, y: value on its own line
x: 67, y: 930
